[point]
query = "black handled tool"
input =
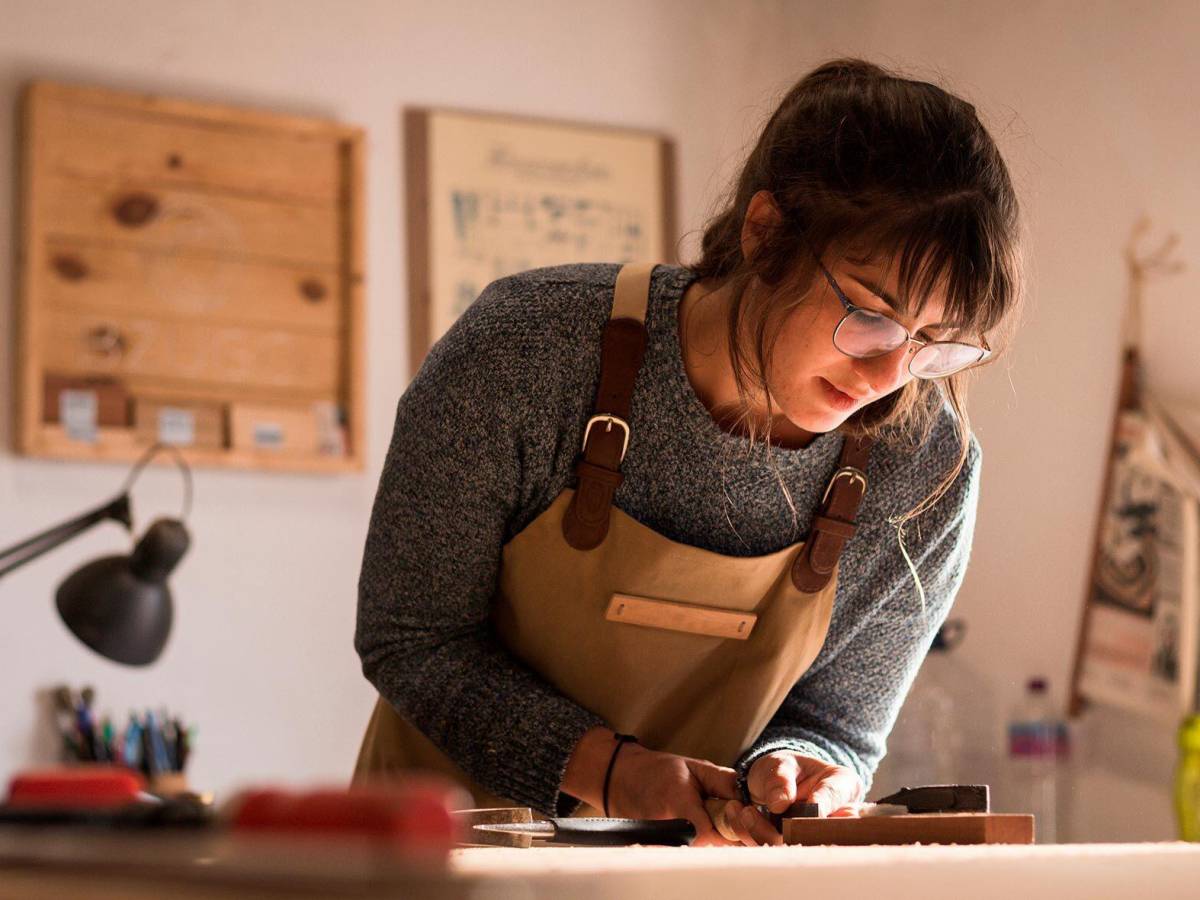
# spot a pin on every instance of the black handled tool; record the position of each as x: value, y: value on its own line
x: 936, y: 798
x: 598, y: 832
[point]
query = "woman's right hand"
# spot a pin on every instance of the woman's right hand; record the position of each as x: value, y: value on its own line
x: 648, y: 784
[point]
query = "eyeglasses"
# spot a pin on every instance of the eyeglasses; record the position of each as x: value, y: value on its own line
x: 865, y: 334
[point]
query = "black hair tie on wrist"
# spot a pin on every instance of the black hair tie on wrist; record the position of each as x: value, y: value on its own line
x: 622, y: 740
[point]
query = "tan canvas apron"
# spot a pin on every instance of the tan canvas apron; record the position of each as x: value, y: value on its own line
x: 690, y: 650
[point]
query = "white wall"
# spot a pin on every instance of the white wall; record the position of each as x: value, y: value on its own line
x: 1088, y: 101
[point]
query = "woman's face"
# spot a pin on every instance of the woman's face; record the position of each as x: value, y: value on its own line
x: 816, y: 386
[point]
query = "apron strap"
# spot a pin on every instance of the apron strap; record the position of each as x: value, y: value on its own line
x: 606, y: 435
x: 606, y: 438
x: 834, y: 524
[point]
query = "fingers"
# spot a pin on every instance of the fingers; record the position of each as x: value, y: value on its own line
x: 753, y: 828
x: 852, y: 810
x: 707, y: 834
x: 779, y: 780
x: 773, y: 781
x: 732, y: 825
x: 714, y: 780
x: 839, y: 788
x: 744, y: 825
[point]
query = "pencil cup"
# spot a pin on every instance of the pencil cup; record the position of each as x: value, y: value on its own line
x: 168, y: 784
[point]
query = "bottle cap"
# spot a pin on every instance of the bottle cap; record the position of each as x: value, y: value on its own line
x: 949, y: 636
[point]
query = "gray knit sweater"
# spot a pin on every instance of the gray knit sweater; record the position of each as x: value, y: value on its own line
x: 486, y: 436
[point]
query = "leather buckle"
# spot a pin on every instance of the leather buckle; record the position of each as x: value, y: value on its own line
x: 851, y: 472
x: 609, y: 421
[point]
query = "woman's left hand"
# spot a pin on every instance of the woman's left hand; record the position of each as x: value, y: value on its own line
x: 781, y: 779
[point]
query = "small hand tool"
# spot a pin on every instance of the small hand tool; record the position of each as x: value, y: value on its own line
x: 598, y: 832
x: 937, y: 798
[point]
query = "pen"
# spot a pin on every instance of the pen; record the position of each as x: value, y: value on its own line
x: 158, y: 747
x: 87, y: 738
x: 187, y: 737
x: 111, y: 750
x: 171, y: 740
x: 133, y: 742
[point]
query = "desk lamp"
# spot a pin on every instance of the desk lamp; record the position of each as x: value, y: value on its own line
x: 120, y: 606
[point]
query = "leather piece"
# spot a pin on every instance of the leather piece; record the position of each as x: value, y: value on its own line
x: 621, y: 356
x: 689, y: 618
x: 623, y: 348
x: 842, y: 529
x: 585, y: 524
x: 630, y: 291
x: 834, y: 524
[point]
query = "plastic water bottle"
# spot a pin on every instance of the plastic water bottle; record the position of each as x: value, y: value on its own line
x: 1038, y: 744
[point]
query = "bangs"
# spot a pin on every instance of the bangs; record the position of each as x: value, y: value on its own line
x: 947, y: 248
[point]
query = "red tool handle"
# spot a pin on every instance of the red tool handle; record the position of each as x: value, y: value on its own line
x: 85, y: 786
x: 410, y: 816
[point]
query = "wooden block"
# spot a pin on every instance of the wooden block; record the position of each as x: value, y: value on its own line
x: 930, y: 828
x: 112, y: 401
x: 184, y: 424
x: 283, y: 430
x: 169, y: 784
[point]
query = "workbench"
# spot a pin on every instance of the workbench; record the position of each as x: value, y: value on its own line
x: 45, y: 866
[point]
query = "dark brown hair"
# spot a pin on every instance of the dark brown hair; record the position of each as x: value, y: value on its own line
x: 864, y: 163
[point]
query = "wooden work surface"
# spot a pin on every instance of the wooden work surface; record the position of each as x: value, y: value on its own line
x: 47, y: 869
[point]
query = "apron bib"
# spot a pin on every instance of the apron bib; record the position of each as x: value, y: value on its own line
x: 690, y: 650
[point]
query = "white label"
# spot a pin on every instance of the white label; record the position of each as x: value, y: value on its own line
x: 268, y: 435
x: 176, y: 426
x: 78, y: 411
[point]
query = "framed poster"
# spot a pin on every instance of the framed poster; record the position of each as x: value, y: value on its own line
x: 490, y: 195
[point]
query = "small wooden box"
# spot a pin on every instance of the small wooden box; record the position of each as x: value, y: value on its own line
x: 112, y: 402
x: 284, y: 430
x: 184, y: 424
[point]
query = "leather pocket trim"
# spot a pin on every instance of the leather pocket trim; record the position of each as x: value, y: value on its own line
x: 686, y: 617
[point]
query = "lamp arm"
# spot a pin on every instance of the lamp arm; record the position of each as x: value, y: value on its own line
x: 33, y: 547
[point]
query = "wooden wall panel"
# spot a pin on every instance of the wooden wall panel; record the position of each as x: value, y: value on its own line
x: 149, y: 282
x: 198, y: 254
x: 189, y: 221
x: 83, y: 343
x: 90, y: 141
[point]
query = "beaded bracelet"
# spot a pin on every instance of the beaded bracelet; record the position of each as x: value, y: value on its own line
x: 622, y: 740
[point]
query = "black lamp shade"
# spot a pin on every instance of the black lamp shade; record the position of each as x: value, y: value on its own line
x: 120, y: 606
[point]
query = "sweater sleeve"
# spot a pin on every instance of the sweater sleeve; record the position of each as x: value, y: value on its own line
x: 843, y: 707
x: 450, y: 482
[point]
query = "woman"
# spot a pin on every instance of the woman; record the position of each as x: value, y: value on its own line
x: 724, y: 570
